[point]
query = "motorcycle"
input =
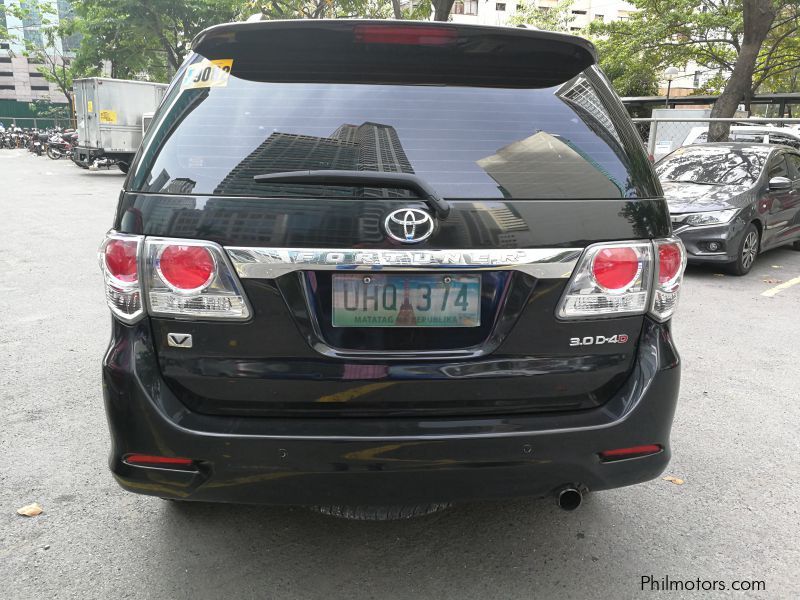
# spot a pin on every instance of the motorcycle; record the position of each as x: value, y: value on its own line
x: 61, y: 145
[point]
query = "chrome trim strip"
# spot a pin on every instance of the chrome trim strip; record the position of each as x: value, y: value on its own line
x: 269, y: 263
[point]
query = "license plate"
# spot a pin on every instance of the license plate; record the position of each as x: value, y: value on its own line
x: 406, y: 300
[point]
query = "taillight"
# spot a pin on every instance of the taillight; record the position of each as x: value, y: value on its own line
x: 186, y: 268
x: 615, y: 268
x: 178, y: 278
x: 671, y: 264
x: 190, y: 278
x: 610, y: 280
x: 119, y: 261
x: 626, y: 278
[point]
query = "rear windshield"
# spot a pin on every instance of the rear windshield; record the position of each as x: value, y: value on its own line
x: 213, y: 137
x: 720, y: 165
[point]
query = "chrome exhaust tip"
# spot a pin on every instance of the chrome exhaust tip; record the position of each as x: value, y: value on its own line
x: 569, y: 498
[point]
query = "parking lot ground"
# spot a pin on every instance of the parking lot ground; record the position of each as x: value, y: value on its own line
x: 735, y: 440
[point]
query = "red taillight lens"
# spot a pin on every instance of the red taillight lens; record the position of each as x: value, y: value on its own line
x: 163, y: 461
x: 633, y: 451
x: 669, y: 262
x: 186, y: 267
x: 408, y: 36
x: 120, y: 258
x: 615, y: 268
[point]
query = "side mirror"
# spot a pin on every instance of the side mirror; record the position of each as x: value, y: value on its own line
x: 780, y: 184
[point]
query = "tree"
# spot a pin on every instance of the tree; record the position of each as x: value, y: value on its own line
x: 555, y: 18
x: 758, y: 17
x: 749, y: 42
x: 632, y: 73
x: 46, y: 50
x: 162, y: 26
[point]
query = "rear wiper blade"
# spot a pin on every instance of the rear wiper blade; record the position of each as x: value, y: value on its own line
x: 405, y: 181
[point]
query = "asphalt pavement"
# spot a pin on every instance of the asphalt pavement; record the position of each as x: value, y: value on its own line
x: 734, y: 517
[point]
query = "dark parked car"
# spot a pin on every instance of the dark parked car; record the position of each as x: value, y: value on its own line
x: 730, y: 201
x: 377, y: 267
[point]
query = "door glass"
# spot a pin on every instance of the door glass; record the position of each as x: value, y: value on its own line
x: 778, y: 168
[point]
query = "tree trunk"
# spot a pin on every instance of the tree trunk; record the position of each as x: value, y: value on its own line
x: 441, y: 9
x: 398, y: 14
x: 758, y: 17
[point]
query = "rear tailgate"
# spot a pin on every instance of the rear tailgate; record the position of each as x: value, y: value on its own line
x: 514, y: 128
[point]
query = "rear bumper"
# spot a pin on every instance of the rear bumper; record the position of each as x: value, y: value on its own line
x: 382, y: 461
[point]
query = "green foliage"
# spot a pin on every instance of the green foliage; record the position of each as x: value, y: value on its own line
x: 707, y: 32
x: 149, y: 35
x: 632, y: 73
x: 556, y: 18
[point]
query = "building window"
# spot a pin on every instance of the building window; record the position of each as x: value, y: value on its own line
x: 574, y: 28
x: 4, y: 46
x: 598, y: 18
x: 40, y: 88
x: 578, y: 12
x: 520, y: 7
x: 6, y: 87
x: 6, y: 73
x: 36, y: 74
x: 500, y: 6
x: 465, y: 7
x: 696, y: 82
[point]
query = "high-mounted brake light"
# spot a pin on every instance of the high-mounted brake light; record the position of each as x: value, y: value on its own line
x: 404, y: 35
x: 119, y: 261
x: 191, y: 278
x: 626, y: 278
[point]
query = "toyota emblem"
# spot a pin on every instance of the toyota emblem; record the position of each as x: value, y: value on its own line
x: 409, y: 225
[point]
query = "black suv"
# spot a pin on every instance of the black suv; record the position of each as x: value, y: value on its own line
x: 376, y: 263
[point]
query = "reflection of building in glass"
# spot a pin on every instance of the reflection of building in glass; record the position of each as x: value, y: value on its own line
x: 365, y: 147
x: 180, y: 185
x: 487, y: 225
x: 545, y: 166
x: 579, y: 91
x: 160, y: 214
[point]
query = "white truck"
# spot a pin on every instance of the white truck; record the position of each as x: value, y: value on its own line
x: 110, y: 114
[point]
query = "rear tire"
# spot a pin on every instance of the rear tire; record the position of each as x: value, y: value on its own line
x: 53, y: 153
x: 380, y: 513
x: 747, y: 252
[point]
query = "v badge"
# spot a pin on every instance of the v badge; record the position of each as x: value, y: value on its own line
x: 179, y: 340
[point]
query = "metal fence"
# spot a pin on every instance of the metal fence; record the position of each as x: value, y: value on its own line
x: 36, y: 122
x: 663, y: 135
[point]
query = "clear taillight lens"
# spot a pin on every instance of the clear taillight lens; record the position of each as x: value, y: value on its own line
x: 190, y: 278
x: 671, y: 264
x: 610, y: 280
x: 626, y: 278
x: 119, y: 261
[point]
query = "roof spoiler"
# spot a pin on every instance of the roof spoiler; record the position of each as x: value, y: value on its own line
x: 396, y: 52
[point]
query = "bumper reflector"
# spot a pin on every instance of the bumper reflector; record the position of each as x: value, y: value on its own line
x: 632, y: 452
x: 149, y: 460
